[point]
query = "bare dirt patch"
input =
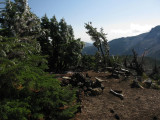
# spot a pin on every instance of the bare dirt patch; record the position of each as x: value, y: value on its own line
x: 138, y: 104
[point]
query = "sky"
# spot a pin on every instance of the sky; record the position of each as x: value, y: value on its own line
x: 119, y: 18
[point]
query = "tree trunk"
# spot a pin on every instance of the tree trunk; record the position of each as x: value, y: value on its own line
x: 104, y: 59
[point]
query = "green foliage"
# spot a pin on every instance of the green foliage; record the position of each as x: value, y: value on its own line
x: 58, y: 42
x: 22, y: 78
x: 156, y: 76
x: 115, y: 61
x: 144, y: 76
x: 27, y: 92
x: 17, y: 20
x: 14, y: 110
x: 88, y: 62
x: 100, y: 41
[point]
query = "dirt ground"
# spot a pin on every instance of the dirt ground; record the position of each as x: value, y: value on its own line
x: 138, y: 104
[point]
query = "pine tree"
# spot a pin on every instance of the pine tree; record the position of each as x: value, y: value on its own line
x: 27, y: 92
x: 17, y: 20
x: 64, y: 50
x: 100, y: 41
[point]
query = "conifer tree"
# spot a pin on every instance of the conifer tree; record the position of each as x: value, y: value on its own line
x: 17, y: 19
x: 64, y: 51
x: 27, y: 92
x: 100, y: 41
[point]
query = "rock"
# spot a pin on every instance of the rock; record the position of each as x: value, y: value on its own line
x: 102, y: 87
x: 148, y: 83
x: 155, y: 86
x: 97, y: 84
x: 89, y: 88
x: 96, y: 91
x: 87, y: 75
x: 117, y: 117
x: 79, y: 77
x: 155, y: 118
x: 111, y: 110
x: 85, y: 88
x: 84, y: 84
x: 65, y: 82
x: 74, y: 82
x: 116, y: 76
x: 136, y: 84
x: 89, y: 93
x: 88, y: 83
x: 139, y: 78
x: 80, y: 84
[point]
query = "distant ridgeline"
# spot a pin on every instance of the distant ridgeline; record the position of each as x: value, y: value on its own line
x: 148, y: 43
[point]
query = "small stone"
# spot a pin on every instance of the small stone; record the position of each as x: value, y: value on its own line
x: 155, y: 118
x: 117, y: 117
x: 85, y: 88
x: 96, y: 91
x: 112, y: 111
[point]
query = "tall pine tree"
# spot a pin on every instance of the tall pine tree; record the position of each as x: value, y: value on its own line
x: 64, y: 51
x: 27, y: 92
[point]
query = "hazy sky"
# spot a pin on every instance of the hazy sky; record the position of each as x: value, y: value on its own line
x: 119, y: 18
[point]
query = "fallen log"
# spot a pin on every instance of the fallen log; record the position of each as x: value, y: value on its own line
x: 136, y: 84
x: 125, y: 70
x: 119, y: 72
x: 117, y: 94
x: 67, y: 78
x: 100, y: 80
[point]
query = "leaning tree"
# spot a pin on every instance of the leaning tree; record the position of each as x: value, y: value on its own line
x: 100, y: 41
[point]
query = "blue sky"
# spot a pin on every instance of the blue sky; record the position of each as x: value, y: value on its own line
x: 119, y: 18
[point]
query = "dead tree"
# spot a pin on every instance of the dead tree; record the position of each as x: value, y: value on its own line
x: 155, y: 71
x: 136, y: 65
x: 125, y: 62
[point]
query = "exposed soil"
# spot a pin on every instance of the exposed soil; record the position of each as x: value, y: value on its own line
x: 138, y: 104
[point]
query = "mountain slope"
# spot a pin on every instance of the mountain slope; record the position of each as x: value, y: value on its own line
x: 147, y: 42
x: 121, y: 45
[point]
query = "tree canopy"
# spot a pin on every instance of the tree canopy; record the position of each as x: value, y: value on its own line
x: 59, y: 43
x: 100, y: 41
x: 27, y: 91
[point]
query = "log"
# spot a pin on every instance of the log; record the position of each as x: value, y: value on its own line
x: 100, y: 80
x: 136, y: 84
x: 124, y: 70
x: 119, y: 72
x: 117, y: 94
x: 67, y: 78
x: 110, y: 68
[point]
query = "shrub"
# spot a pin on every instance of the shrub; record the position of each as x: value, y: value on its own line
x: 27, y: 92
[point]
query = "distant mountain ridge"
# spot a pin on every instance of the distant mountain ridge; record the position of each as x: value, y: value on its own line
x: 87, y: 44
x: 148, y: 43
